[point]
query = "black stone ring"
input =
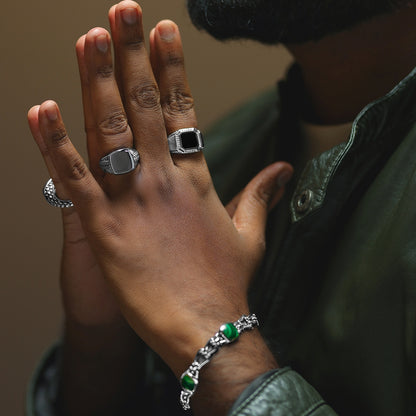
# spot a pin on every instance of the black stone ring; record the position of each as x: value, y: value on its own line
x: 186, y: 141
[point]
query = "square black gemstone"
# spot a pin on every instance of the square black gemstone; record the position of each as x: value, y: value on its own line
x: 189, y: 140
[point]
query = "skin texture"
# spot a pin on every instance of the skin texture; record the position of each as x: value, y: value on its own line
x: 155, y: 247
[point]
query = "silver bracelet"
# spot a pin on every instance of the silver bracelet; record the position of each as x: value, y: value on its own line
x: 227, y: 334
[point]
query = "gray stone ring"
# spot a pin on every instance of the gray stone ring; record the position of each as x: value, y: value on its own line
x: 120, y: 161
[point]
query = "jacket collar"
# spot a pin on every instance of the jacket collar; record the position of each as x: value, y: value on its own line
x: 380, y: 124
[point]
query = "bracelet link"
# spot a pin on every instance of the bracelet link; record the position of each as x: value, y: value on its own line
x: 227, y: 334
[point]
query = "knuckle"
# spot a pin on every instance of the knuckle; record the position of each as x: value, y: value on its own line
x: 114, y: 124
x: 78, y: 170
x: 178, y: 101
x: 165, y: 187
x: 140, y: 200
x: 134, y: 44
x: 262, y: 197
x: 205, y: 186
x: 163, y: 184
x: 145, y: 96
x: 104, y: 71
x: 59, y: 137
x: 174, y: 60
x: 159, y: 185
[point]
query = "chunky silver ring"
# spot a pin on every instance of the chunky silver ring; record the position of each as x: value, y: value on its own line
x: 186, y: 141
x: 120, y: 161
x: 49, y: 192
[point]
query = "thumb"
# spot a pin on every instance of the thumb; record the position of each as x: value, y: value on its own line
x: 260, y: 195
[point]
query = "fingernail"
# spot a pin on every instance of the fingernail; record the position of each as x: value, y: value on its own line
x: 167, y: 31
x: 129, y: 16
x: 284, y: 178
x: 101, y: 41
x: 51, y: 112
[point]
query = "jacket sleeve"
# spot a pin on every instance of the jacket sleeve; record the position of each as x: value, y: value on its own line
x: 42, y: 390
x: 280, y: 392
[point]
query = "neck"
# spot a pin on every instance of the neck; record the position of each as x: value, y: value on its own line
x: 344, y: 72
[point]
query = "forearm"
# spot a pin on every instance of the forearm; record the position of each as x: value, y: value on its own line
x: 100, y: 369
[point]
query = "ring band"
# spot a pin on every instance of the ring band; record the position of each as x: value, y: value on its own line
x: 49, y: 193
x: 185, y: 141
x: 120, y: 162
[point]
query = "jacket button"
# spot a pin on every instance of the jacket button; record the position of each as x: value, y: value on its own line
x: 303, y: 201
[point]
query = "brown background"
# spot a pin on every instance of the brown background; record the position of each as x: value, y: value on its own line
x: 37, y: 62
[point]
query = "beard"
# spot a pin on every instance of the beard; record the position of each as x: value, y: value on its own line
x: 284, y: 21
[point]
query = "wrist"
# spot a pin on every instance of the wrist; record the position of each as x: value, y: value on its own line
x: 230, y: 372
x: 227, y: 334
x: 180, y: 341
x: 229, y: 369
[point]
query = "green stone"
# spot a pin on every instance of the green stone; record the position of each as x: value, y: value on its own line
x: 230, y: 331
x: 188, y: 383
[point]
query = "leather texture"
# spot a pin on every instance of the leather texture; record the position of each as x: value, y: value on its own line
x: 281, y: 393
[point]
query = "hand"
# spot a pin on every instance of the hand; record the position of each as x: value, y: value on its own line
x: 177, y: 262
x: 87, y: 298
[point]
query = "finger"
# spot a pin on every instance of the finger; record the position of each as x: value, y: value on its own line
x: 33, y: 119
x: 141, y: 93
x: 111, y: 18
x: 260, y: 195
x: 112, y: 130
x: 175, y: 94
x: 153, y: 60
x: 72, y: 171
x: 89, y: 121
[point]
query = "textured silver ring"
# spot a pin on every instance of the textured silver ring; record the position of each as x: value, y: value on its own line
x: 120, y: 161
x: 49, y: 192
x: 185, y: 141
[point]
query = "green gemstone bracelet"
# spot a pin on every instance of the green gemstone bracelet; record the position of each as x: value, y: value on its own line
x: 227, y: 334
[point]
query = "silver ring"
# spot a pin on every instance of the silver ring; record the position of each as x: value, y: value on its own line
x: 120, y: 161
x: 49, y: 192
x: 186, y: 141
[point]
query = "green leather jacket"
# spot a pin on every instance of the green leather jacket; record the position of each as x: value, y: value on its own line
x: 336, y: 295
